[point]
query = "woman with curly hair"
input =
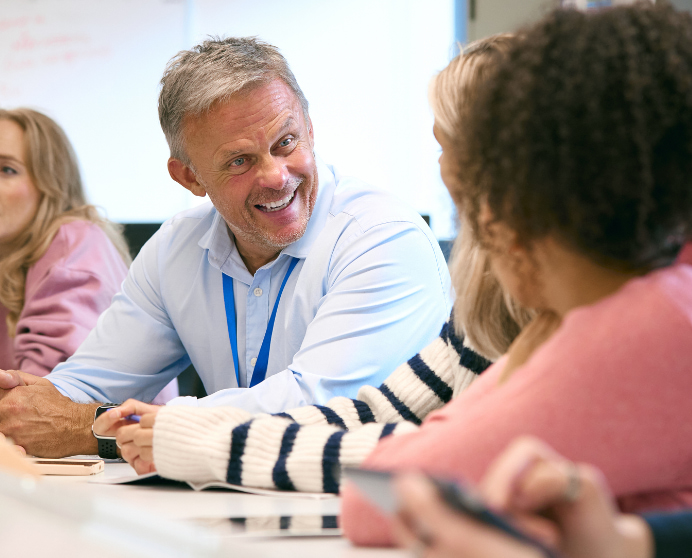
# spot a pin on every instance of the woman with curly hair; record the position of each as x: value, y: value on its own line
x: 574, y: 167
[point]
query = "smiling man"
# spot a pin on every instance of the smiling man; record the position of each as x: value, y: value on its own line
x: 295, y: 284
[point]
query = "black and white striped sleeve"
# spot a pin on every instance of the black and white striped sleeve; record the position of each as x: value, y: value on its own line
x: 266, y: 452
x: 426, y: 382
x: 301, y: 449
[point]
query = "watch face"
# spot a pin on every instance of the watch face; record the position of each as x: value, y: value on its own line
x: 102, y: 409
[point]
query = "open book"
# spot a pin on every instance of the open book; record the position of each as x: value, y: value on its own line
x: 154, y: 479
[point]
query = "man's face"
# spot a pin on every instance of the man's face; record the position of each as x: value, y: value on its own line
x: 253, y: 156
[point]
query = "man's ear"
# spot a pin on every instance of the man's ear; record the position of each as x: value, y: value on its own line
x: 184, y: 175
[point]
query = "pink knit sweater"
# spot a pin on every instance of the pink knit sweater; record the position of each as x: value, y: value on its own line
x: 66, y: 291
x: 611, y: 387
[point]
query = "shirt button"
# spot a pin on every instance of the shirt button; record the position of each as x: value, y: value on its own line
x: 257, y: 291
x: 253, y: 361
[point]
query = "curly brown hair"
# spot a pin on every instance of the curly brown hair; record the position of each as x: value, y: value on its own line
x: 584, y: 133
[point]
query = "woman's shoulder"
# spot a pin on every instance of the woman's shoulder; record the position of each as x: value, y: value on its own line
x: 79, y: 246
x: 646, y: 322
x: 657, y: 298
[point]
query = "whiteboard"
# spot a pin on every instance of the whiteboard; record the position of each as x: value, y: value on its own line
x: 364, y: 65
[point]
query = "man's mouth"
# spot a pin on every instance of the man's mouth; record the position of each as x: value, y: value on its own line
x: 277, y: 205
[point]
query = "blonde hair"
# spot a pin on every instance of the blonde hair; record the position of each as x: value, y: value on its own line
x: 450, y: 91
x: 52, y: 166
x: 483, y: 312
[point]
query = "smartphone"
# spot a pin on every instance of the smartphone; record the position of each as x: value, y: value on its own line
x: 377, y: 486
x: 68, y: 467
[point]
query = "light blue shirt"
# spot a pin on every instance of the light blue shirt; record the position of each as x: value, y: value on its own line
x: 370, y: 290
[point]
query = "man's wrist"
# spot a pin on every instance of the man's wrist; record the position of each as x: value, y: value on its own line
x: 82, y: 436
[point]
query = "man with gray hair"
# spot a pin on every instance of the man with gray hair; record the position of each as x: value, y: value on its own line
x: 295, y: 284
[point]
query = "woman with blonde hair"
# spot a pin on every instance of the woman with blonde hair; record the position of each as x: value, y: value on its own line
x: 60, y: 261
x: 487, y: 315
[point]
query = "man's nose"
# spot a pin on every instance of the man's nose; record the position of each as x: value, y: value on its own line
x: 272, y: 173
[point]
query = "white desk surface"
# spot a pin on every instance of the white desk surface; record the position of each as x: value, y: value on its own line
x: 203, y: 508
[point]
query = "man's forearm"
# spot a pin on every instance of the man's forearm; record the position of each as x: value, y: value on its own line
x: 45, y: 423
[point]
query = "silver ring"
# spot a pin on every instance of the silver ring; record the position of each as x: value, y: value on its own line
x: 573, y: 488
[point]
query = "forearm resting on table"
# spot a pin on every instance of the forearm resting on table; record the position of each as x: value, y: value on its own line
x: 43, y: 421
x: 200, y: 445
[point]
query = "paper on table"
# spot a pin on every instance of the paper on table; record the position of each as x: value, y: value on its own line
x: 154, y: 479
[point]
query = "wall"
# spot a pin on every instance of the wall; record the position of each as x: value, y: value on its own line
x: 487, y: 17
x: 363, y: 64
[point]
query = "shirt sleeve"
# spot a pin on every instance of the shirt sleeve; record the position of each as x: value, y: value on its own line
x: 387, y: 296
x: 134, y: 350
x: 67, y: 290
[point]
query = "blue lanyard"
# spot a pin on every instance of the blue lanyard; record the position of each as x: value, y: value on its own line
x: 260, y: 371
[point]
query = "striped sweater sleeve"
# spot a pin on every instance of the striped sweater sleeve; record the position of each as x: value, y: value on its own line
x: 303, y: 449
x: 426, y: 382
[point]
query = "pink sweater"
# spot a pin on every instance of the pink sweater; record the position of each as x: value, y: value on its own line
x: 611, y: 387
x: 66, y: 291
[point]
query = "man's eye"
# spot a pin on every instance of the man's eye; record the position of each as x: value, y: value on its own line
x: 286, y: 142
x: 239, y: 162
x: 8, y: 170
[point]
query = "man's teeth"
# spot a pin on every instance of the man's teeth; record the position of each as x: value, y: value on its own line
x: 277, y: 205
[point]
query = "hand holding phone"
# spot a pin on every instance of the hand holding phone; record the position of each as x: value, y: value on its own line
x: 378, y: 487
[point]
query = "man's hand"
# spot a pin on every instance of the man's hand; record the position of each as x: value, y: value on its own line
x: 39, y: 418
x: 135, y: 440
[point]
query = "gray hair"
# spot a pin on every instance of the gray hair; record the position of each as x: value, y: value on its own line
x: 212, y: 72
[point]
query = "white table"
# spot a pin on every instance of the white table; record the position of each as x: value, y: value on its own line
x: 208, y: 508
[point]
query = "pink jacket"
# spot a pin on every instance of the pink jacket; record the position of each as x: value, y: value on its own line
x: 66, y: 291
x: 611, y: 387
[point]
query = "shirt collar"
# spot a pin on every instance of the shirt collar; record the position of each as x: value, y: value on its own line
x: 223, y: 254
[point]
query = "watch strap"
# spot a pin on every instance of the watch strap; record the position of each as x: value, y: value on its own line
x: 107, y: 448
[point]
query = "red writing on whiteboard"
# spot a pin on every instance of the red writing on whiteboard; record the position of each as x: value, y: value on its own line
x: 18, y: 22
x: 7, y: 89
x: 29, y: 42
x: 65, y: 57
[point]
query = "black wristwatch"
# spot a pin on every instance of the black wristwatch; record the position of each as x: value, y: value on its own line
x: 107, y: 446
